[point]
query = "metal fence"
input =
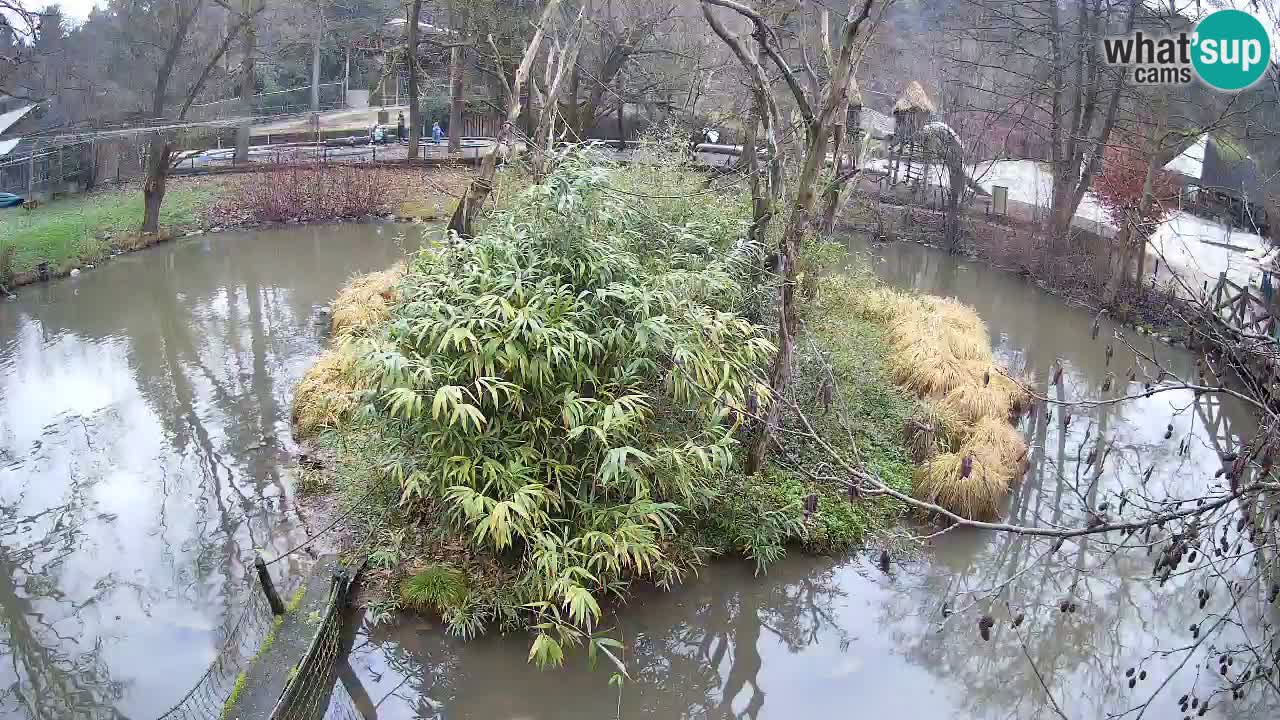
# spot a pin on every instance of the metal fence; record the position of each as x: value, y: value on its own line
x: 277, y: 102
x: 43, y: 171
x: 311, y: 689
x: 207, y: 699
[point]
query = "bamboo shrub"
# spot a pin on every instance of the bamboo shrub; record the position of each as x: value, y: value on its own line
x: 567, y: 385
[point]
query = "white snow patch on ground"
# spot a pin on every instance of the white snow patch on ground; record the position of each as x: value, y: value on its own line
x: 1196, y: 248
x: 1190, y: 245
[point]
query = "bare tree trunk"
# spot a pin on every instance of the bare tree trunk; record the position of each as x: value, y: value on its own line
x: 800, y: 219
x: 759, y: 203
x: 622, y: 124
x: 468, y: 209
x: 1133, y: 236
x: 1076, y: 146
x: 315, y: 59
x: 455, y: 98
x: 153, y: 187
x: 831, y: 199
x: 558, y: 62
x: 411, y: 50
x: 247, y: 87
x: 570, y: 108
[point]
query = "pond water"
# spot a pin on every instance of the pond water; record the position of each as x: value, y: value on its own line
x: 145, y: 451
x: 838, y: 638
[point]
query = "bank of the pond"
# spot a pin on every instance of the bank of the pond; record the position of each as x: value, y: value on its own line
x: 79, y: 232
x: 533, y: 420
x: 1076, y: 272
x: 70, y: 233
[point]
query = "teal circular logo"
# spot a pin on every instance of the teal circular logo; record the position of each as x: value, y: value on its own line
x: 1231, y: 50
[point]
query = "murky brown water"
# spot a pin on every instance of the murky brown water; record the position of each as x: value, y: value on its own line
x: 144, y: 451
x: 836, y: 638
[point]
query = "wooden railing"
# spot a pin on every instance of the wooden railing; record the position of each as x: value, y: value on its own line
x: 1242, y: 309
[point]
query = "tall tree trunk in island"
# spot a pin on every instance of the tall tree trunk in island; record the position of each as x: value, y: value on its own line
x: 411, y: 57
x: 544, y: 134
x: 247, y: 86
x: 456, y: 60
x: 831, y: 199
x: 153, y: 187
x: 468, y: 209
x: 800, y: 219
x: 759, y: 203
x: 315, y: 60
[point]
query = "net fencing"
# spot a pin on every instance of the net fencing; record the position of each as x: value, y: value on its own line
x: 311, y: 686
x: 208, y: 697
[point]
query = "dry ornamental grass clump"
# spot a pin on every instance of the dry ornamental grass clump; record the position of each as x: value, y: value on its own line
x: 329, y: 391
x: 941, y: 353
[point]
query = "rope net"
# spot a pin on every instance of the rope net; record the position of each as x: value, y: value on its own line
x: 208, y: 696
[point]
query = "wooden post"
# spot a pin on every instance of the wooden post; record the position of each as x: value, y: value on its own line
x: 31, y: 171
x: 273, y: 598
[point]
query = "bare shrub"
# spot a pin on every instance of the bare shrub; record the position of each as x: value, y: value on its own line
x: 311, y: 193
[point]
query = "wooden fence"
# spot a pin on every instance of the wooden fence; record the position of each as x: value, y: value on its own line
x: 1244, y: 310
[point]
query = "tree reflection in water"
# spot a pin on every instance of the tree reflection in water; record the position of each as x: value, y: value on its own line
x: 694, y: 652
x: 144, y: 450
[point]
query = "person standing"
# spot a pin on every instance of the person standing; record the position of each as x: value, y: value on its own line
x: 436, y: 133
x: 400, y: 127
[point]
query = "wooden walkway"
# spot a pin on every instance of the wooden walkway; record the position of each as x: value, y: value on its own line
x: 293, y: 675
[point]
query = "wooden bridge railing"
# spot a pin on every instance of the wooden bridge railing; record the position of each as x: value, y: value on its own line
x: 1242, y: 309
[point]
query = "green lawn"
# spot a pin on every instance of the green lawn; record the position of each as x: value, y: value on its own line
x: 65, y: 232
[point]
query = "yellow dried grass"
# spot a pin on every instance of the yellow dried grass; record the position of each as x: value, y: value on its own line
x: 980, y: 496
x: 1014, y: 395
x: 365, y: 302
x: 326, y: 396
x: 997, y: 441
x: 971, y: 401
x: 941, y: 352
x: 328, y: 392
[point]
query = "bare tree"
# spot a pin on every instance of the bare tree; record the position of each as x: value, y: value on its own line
x: 165, y: 37
x: 19, y: 30
x: 248, y: 82
x: 547, y: 98
x: 1039, y: 61
x: 621, y: 33
x: 817, y: 127
x: 472, y: 202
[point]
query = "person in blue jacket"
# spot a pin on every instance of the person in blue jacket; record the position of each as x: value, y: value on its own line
x: 436, y: 133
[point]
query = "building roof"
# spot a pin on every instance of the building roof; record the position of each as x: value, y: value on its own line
x: 875, y: 123
x: 1228, y: 169
x: 7, y: 145
x: 7, y: 120
x: 423, y: 27
x: 914, y: 99
x: 1190, y: 162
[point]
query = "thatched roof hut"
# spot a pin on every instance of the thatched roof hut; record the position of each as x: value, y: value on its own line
x: 853, y: 120
x: 911, y: 112
x: 914, y: 99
